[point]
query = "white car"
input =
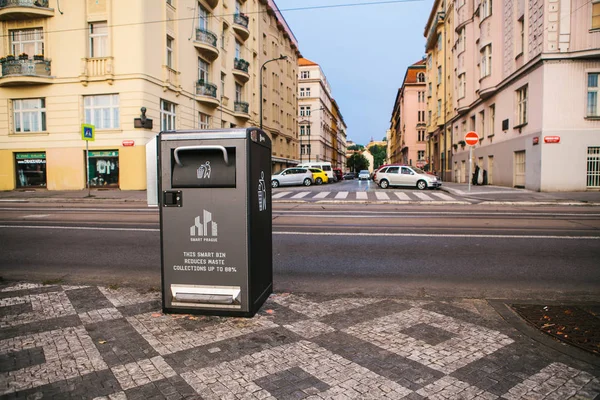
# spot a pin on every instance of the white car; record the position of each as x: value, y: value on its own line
x: 364, y: 174
x: 406, y: 175
x: 292, y: 176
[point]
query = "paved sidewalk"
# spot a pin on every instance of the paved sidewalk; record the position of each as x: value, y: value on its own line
x: 92, y: 342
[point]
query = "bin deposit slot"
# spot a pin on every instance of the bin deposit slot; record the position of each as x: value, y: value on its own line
x: 206, y: 296
x: 203, y: 167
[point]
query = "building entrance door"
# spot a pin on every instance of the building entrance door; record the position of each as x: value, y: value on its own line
x: 519, y: 168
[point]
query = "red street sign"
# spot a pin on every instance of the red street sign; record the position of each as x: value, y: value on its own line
x: 128, y: 143
x: 551, y: 139
x: 471, y: 138
x: 536, y: 140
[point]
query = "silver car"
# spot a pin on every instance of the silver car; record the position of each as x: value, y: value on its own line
x: 292, y: 176
x: 405, y: 175
x: 364, y: 174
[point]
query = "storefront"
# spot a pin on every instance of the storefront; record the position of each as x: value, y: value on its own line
x: 30, y: 169
x: 104, y: 168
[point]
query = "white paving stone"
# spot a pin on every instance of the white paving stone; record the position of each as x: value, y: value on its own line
x: 128, y: 296
x: 309, y: 328
x: 344, y: 377
x: 142, y: 372
x: 470, y: 342
x: 44, y: 306
x: 452, y: 388
x: 104, y: 314
x: 21, y: 286
x: 317, y: 310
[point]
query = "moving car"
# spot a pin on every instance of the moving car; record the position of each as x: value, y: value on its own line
x: 292, y: 176
x: 406, y: 175
x: 349, y: 175
x: 325, y: 166
x: 337, y: 173
x: 319, y: 176
x: 364, y: 174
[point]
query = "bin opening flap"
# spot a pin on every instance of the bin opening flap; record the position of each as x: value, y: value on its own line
x: 227, y: 295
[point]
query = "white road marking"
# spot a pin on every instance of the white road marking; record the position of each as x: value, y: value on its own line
x: 402, y: 196
x: 37, y: 216
x: 341, y: 195
x: 382, y: 196
x: 361, y: 195
x: 423, y: 196
x: 280, y: 195
x: 321, y: 195
x: 300, y: 195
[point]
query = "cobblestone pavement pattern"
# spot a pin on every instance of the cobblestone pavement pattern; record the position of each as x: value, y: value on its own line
x: 100, y: 343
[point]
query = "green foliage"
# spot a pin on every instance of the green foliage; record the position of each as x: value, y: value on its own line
x: 356, y: 162
x: 379, y: 154
x: 356, y: 147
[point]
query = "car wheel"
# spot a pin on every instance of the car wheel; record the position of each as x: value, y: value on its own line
x: 318, y: 181
x: 384, y: 184
x: 307, y: 182
x: 421, y: 185
x: 274, y: 183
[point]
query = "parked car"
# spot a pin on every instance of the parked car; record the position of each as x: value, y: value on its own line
x: 379, y: 168
x: 325, y: 166
x: 337, y: 173
x: 364, y: 174
x: 319, y: 176
x: 292, y: 176
x: 406, y: 175
x: 349, y: 175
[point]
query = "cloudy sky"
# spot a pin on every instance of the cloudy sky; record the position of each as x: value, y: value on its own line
x: 364, y: 48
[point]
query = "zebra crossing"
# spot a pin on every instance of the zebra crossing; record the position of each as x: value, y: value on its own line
x: 390, y: 196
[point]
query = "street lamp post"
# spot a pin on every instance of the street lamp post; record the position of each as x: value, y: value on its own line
x: 282, y: 57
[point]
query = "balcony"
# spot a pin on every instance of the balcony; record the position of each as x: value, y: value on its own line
x: 240, y: 69
x: 240, y: 109
x: 24, y: 9
x: 19, y: 72
x: 171, y: 79
x: 240, y: 26
x: 212, y: 3
x: 97, y: 69
x: 206, y: 44
x: 206, y: 93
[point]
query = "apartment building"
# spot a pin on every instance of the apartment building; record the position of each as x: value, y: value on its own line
x: 527, y: 76
x: 439, y: 34
x: 407, y: 133
x: 321, y: 125
x: 132, y: 69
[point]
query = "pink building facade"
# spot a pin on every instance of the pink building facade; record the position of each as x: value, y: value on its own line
x: 527, y: 77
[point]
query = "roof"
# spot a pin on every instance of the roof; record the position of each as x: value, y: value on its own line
x: 303, y: 62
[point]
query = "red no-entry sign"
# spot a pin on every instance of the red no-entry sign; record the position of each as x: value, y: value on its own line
x: 471, y: 138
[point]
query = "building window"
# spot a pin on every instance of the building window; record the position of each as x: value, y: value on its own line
x: 421, y: 155
x: 304, y: 130
x: 98, y: 39
x: 420, y: 77
x: 170, y: 2
x: 429, y: 117
x: 429, y: 90
x: 462, y: 40
x: 429, y: 62
x: 439, y: 42
x: 203, y: 121
x: 439, y: 107
x: 30, y: 169
x: 486, y: 61
x: 421, y: 96
x: 302, y: 92
x: 593, y: 168
x: 595, y: 14
x: 481, y: 124
x: 223, y: 84
x: 238, y: 50
x: 439, y: 75
x: 202, y: 18
x: 304, y: 74
x: 238, y: 92
x: 102, y: 111
x: 521, y: 40
x: 462, y: 86
x: 304, y: 111
x: 492, y: 120
x: 421, y: 135
x: 202, y: 70
x: 592, y: 95
x: 421, y: 116
x: 167, y: 115
x: 28, y: 41
x: 522, y: 105
x: 486, y: 8
x: 30, y: 115
x: 170, y: 52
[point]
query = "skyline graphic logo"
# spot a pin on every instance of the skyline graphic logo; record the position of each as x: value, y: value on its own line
x: 204, y: 229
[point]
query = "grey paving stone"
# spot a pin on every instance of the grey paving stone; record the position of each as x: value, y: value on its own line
x: 279, y: 314
x: 428, y: 334
x: 122, y: 344
x: 465, y: 315
x: 40, y: 326
x: 16, y: 309
x: 140, y: 308
x: 87, y: 299
x: 231, y: 349
x: 355, y: 316
x: 408, y: 373
x: 21, y: 359
x: 90, y: 386
x: 292, y: 383
x: 24, y: 292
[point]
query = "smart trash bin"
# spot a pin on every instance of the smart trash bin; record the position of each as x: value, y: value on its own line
x: 215, y: 221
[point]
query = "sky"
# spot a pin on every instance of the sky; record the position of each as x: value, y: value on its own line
x: 364, y: 51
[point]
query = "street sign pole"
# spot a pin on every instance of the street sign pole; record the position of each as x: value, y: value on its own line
x: 88, y: 133
x: 471, y: 138
x: 87, y: 166
x: 470, y: 165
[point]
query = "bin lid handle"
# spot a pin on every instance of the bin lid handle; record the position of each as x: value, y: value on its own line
x: 183, y: 148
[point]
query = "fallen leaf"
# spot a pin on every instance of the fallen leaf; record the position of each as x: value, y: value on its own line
x: 269, y: 311
x: 101, y: 341
x: 156, y: 315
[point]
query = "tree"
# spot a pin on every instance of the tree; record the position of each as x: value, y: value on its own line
x: 357, y: 162
x: 379, y: 154
x: 356, y: 147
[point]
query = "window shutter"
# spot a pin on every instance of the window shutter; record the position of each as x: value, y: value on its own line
x: 596, y: 15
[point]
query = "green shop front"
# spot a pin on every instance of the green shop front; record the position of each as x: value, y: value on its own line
x: 30, y: 170
x: 104, y: 168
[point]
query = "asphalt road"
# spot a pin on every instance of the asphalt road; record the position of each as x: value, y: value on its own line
x: 438, y: 251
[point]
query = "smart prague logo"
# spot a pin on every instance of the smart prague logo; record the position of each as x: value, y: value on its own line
x: 204, y: 229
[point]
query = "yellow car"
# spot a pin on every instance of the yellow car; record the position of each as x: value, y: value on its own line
x: 319, y: 175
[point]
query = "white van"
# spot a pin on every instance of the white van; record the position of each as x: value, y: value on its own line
x: 325, y: 166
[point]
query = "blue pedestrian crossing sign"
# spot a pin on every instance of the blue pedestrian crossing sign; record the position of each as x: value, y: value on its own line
x: 88, y: 132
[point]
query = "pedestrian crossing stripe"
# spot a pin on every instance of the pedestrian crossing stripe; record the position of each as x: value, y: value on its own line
x: 382, y: 196
x: 423, y: 196
x: 402, y: 196
x: 362, y: 196
x: 341, y: 195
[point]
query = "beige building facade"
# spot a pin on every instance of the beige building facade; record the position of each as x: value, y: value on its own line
x: 407, y: 133
x: 189, y: 64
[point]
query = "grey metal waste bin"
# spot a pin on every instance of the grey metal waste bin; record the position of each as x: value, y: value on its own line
x: 215, y: 221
